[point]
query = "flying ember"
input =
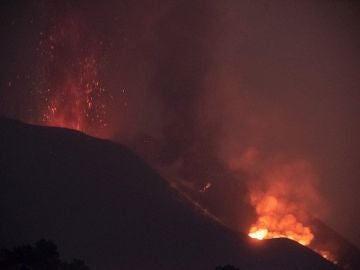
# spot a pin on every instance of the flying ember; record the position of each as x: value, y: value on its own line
x: 76, y: 103
x: 72, y: 94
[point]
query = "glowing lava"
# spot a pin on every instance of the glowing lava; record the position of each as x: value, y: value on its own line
x: 258, y: 234
x: 281, y: 200
x: 327, y: 255
x: 276, y: 221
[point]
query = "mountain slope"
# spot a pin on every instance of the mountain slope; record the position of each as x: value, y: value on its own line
x: 100, y: 202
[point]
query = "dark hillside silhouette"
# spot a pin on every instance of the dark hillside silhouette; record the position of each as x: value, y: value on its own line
x: 226, y: 267
x: 43, y: 256
x: 100, y: 202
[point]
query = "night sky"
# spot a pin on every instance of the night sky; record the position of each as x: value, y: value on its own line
x: 250, y: 89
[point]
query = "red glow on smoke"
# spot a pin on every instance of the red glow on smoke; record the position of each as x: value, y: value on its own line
x: 72, y: 94
x: 77, y: 104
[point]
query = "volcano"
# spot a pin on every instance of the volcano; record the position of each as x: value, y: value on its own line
x: 102, y: 203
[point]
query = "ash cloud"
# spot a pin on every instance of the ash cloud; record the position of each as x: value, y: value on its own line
x: 279, y: 78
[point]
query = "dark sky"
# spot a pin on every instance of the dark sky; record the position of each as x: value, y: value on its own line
x: 206, y: 80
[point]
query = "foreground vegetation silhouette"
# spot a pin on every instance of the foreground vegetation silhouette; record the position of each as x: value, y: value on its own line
x: 43, y: 255
x: 226, y: 267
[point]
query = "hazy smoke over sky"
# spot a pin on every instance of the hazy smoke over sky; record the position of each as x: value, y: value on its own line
x: 196, y: 84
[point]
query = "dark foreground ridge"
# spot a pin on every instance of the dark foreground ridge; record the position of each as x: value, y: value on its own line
x: 101, y: 203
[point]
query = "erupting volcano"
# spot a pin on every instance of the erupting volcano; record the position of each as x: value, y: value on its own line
x: 283, y: 194
x: 75, y: 103
x: 275, y: 220
x: 284, y: 208
x: 281, y: 203
x: 248, y: 110
x: 72, y: 94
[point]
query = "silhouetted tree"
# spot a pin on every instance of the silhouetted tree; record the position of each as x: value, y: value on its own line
x: 226, y: 267
x: 74, y: 265
x: 43, y: 256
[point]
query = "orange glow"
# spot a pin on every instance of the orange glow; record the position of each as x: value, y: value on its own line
x: 77, y: 103
x: 281, y: 194
x: 70, y: 90
x: 281, y: 198
x: 274, y: 221
x: 327, y: 255
x: 258, y: 234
